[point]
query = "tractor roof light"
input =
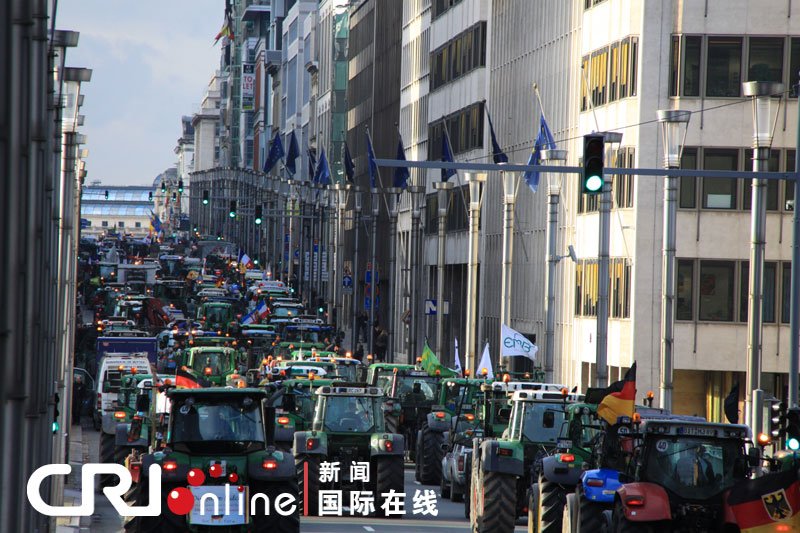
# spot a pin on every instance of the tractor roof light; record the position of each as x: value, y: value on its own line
x: 763, y: 439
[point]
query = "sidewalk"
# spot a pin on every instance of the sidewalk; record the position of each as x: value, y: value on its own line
x: 78, y: 455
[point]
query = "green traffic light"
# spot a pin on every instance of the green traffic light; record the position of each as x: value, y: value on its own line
x: 594, y: 183
x: 55, y: 427
x: 255, y: 261
x: 205, y: 201
x: 321, y: 310
x: 232, y: 214
x: 793, y: 444
x: 258, y: 222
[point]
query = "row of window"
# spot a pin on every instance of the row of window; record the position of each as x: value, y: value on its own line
x: 438, y: 7
x: 117, y: 195
x: 464, y: 128
x: 610, y: 73
x: 120, y: 224
x: 119, y: 210
x: 587, y: 4
x: 712, y: 65
x: 717, y: 291
x: 733, y: 194
x: 621, y: 185
x: 464, y: 53
x: 586, y: 287
x: 457, y: 216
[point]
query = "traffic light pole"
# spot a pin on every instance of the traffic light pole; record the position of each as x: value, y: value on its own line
x: 604, y: 245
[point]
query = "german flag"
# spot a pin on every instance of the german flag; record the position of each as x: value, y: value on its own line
x: 767, y: 503
x: 185, y: 380
x: 619, y: 397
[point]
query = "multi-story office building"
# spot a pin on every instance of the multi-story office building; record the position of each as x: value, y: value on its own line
x: 125, y: 210
x: 185, y: 152
x: 206, y: 124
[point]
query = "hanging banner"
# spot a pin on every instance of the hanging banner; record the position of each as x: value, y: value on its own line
x: 248, y: 86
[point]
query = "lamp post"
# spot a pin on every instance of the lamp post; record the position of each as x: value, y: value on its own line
x: 376, y: 209
x: 553, y: 196
x: 290, y: 194
x: 510, y: 181
x: 604, y: 246
x: 392, y: 193
x: 417, y: 194
x: 674, y: 125
x: 442, y: 191
x: 475, y: 182
x: 765, y: 113
x: 334, y: 281
x: 341, y: 203
x: 277, y: 230
x: 356, y: 223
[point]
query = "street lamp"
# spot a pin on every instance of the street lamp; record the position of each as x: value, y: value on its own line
x: 674, y: 125
x: 765, y: 115
x: 442, y: 192
x: 376, y: 209
x: 340, y: 197
x: 356, y: 223
x: 553, y: 196
x: 392, y: 195
x: 510, y: 182
x: 475, y: 182
x: 417, y: 196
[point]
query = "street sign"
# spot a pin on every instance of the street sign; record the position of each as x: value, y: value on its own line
x: 430, y: 307
x: 347, y: 291
x: 347, y: 281
x: 367, y: 302
x: 297, y: 254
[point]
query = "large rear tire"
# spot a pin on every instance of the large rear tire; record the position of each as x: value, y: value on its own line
x: 569, y: 520
x: 275, y: 522
x: 388, y: 477
x: 431, y: 460
x: 552, y: 497
x: 444, y: 486
x: 495, y: 505
x: 312, y: 464
x: 456, y: 492
x: 138, y: 496
x: 107, y: 455
x: 533, y: 508
x: 589, y: 514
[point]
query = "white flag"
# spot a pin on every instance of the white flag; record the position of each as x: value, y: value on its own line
x: 486, y: 362
x: 458, y: 361
x: 515, y: 344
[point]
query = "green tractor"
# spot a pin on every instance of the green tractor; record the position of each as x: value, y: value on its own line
x: 295, y: 410
x: 302, y: 335
x: 218, y: 316
x: 349, y: 428
x: 219, y: 440
x: 220, y: 366
x: 503, y: 469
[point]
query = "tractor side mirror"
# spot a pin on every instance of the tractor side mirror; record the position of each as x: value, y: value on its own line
x: 753, y: 457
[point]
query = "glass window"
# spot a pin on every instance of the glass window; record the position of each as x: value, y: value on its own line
x: 794, y: 66
x: 584, y: 78
x: 578, y: 288
x: 769, y: 291
x: 786, y: 292
x: 691, y: 66
x: 772, y: 185
x: 724, y: 64
x: 788, y: 193
x: 104, y: 223
x: 716, y: 291
x: 624, y: 50
x: 674, y: 56
x: 138, y: 224
x: 766, y: 59
x: 688, y: 186
x: 684, y: 290
x: 614, y: 74
x: 634, y: 65
x: 720, y: 193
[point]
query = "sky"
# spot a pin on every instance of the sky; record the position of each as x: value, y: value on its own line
x: 151, y: 63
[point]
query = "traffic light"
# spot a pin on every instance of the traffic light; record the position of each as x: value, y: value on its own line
x: 232, y: 214
x: 793, y: 429
x: 593, y: 156
x: 56, y: 414
x: 175, y: 196
x: 150, y: 196
x: 180, y: 185
x: 163, y: 187
x: 259, y: 213
x: 106, y: 195
x: 777, y: 420
x: 205, y: 197
x: 255, y: 262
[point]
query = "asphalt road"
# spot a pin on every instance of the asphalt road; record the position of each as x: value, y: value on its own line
x: 450, y: 517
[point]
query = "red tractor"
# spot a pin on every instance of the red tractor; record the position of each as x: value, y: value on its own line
x: 679, y: 477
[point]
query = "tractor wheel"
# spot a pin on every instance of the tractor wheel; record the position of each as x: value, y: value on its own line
x: 494, y: 505
x: 456, y: 492
x: 620, y: 524
x: 431, y: 460
x: 275, y: 522
x: 552, y: 498
x: 138, y: 495
x: 417, y: 458
x: 388, y: 477
x: 107, y: 455
x: 533, y: 508
x: 589, y: 514
x: 444, y: 487
x: 311, y: 463
x: 569, y: 518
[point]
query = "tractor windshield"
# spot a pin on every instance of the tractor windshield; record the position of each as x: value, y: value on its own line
x: 215, y: 315
x: 413, y: 389
x: 695, y: 468
x: 458, y: 394
x: 347, y: 372
x: 218, y: 362
x: 350, y: 414
x: 538, y: 421
x: 199, y: 426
